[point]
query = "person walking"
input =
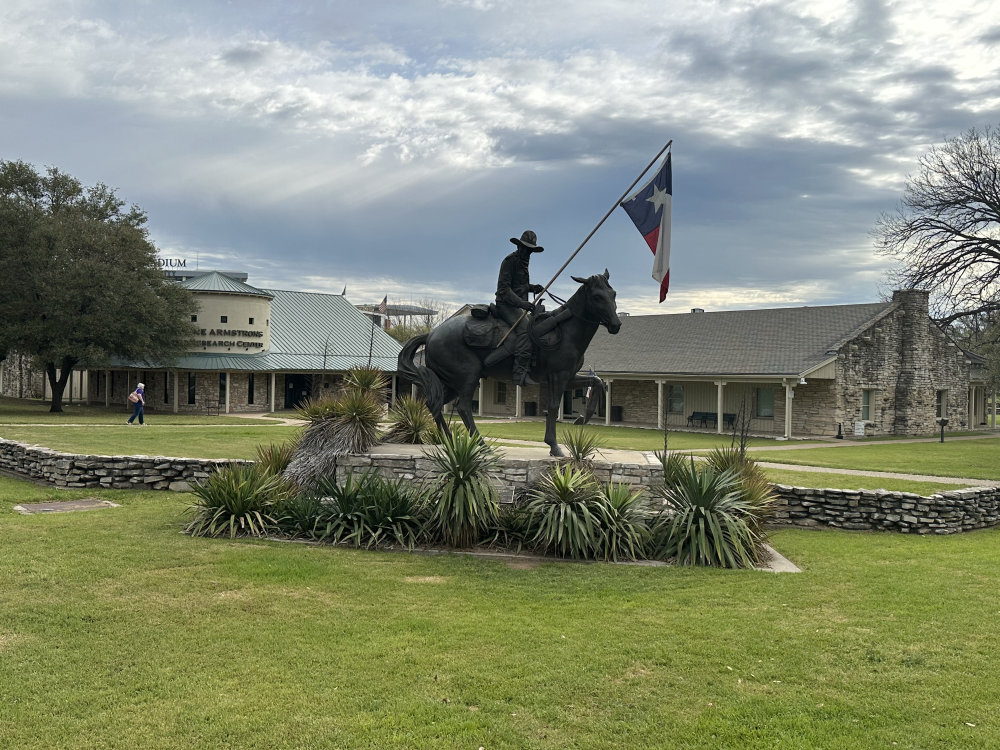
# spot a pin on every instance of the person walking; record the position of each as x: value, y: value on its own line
x: 138, y: 399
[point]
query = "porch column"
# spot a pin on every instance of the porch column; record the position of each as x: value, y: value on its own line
x: 413, y: 390
x: 107, y: 387
x: 995, y: 425
x: 720, y: 386
x: 482, y: 396
x: 789, y: 395
x: 229, y: 390
x: 517, y: 401
x: 273, y: 398
x: 562, y: 401
x: 971, y: 416
x: 69, y: 385
x: 659, y: 404
x: 177, y: 388
x: 607, y: 402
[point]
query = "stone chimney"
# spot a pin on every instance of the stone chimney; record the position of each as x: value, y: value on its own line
x: 914, y: 389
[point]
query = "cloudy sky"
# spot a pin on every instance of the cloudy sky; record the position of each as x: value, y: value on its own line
x: 394, y: 147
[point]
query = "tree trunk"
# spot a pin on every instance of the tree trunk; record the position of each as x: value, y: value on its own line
x: 58, y: 385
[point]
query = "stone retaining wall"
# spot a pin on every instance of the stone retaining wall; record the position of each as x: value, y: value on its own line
x: 869, y: 510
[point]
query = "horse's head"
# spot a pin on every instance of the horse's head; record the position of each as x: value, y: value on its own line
x: 600, y: 300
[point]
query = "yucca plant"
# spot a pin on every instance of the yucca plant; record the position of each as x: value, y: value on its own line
x: 582, y: 444
x: 565, y: 513
x: 755, y: 486
x: 344, y: 520
x: 318, y: 409
x: 274, y: 459
x: 674, y: 465
x: 366, y: 378
x: 625, y: 522
x: 395, y: 512
x: 464, y: 500
x: 359, y: 414
x: 410, y: 421
x: 236, y: 500
x: 706, y: 520
x: 301, y: 515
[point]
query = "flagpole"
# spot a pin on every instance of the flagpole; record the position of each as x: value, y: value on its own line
x: 592, y: 233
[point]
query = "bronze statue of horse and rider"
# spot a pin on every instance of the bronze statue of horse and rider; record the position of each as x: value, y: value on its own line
x: 536, y: 346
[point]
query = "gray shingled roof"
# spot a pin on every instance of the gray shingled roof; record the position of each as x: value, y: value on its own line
x: 787, y: 341
x: 219, y: 282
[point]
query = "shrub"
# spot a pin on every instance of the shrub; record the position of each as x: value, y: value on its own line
x: 410, y: 421
x: 565, y: 513
x: 465, y: 503
x: 368, y: 511
x: 625, y: 522
x: 755, y: 486
x: 300, y: 515
x: 582, y: 444
x: 236, y: 500
x: 706, y: 520
x: 274, y: 459
x: 674, y: 465
x: 367, y: 379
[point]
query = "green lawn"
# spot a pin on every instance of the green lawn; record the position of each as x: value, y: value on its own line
x: 20, y: 411
x: 116, y: 632
x: 623, y: 438
x: 978, y: 458
x: 178, y: 441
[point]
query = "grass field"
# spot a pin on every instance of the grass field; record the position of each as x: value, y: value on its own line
x: 117, y: 632
x: 20, y: 411
x: 979, y: 458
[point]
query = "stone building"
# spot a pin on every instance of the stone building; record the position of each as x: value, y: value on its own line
x: 883, y: 368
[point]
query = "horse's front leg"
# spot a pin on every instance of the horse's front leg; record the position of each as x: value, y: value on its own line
x: 557, y: 384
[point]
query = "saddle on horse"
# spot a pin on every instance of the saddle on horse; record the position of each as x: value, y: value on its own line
x: 484, y: 329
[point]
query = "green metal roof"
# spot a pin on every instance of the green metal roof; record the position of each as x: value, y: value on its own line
x: 310, y: 332
x: 214, y: 281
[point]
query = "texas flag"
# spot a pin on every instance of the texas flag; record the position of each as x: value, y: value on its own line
x: 649, y: 210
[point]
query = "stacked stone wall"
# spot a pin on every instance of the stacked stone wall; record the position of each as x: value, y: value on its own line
x: 868, y: 510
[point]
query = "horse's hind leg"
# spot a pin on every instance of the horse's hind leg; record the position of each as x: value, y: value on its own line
x: 438, y: 414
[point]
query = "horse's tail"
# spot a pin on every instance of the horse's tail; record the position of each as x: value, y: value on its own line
x: 431, y: 384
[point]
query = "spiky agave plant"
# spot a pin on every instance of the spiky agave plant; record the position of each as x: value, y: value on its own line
x: 625, y: 521
x: 464, y: 500
x: 754, y: 484
x: 236, y: 500
x: 582, y: 444
x: 410, y: 421
x: 367, y: 378
x: 565, y: 513
x: 706, y: 520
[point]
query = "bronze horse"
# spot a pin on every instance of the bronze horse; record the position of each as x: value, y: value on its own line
x: 452, y: 368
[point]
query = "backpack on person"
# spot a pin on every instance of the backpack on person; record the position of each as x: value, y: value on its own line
x: 133, y: 398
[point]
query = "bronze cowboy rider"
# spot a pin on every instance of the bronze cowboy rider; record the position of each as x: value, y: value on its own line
x: 513, y: 288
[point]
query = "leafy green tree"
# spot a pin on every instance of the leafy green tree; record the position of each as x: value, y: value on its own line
x: 79, y: 283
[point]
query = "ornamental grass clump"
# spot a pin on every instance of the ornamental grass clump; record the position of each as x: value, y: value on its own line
x: 236, y: 500
x: 410, y: 421
x: 582, y: 445
x: 274, y: 459
x: 369, y: 511
x: 625, y: 522
x: 566, y: 514
x: 464, y: 500
x: 706, y: 519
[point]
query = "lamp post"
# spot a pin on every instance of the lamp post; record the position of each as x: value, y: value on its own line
x: 942, y: 422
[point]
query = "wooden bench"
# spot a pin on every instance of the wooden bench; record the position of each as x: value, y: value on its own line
x: 704, y: 417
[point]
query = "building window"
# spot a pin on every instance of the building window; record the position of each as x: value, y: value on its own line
x: 764, y: 399
x: 250, y: 383
x: 941, y: 409
x: 224, y: 319
x: 251, y: 321
x: 500, y: 393
x: 222, y: 387
x: 192, y: 387
x: 194, y: 318
x: 866, y: 405
x: 675, y: 399
x: 166, y: 387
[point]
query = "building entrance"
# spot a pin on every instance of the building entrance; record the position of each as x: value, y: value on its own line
x: 298, y: 388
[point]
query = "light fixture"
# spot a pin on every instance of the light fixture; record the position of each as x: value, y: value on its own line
x: 802, y: 381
